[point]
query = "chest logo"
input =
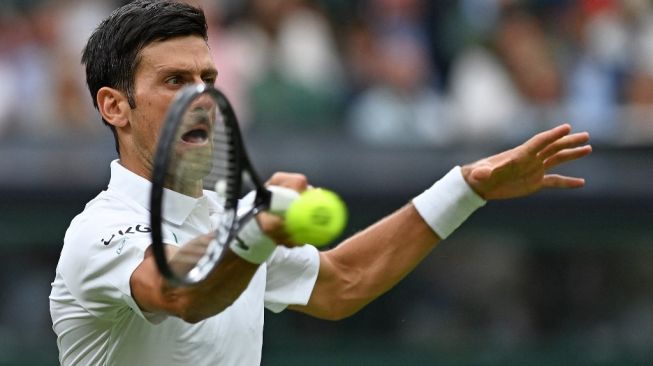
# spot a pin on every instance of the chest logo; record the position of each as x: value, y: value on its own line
x: 130, y: 230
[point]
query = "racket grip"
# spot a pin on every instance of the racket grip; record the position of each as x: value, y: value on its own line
x: 281, y: 199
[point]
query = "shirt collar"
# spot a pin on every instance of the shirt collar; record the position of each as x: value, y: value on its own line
x: 176, y: 206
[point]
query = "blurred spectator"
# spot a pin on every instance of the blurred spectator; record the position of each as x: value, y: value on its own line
x: 401, y: 108
x: 32, y: 58
x: 50, y: 97
x: 638, y: 86
x: 525, y: 50
x: 360, y: 56
x: 238, y: 53
x: 77, y: 20
x: 600, y: 57
x: 7, y: 81
x: 456, y: 26
x: 510, y: 88
x: 492, y: 71
x: 293, y: 71
x: 393, y: 15
x: 396, y: 101
x: 383, y: 18
x: 484, y: 100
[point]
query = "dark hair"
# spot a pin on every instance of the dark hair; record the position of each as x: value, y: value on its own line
x: 112, y: 53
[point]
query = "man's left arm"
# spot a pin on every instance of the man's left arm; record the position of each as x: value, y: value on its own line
x: 371, y: 262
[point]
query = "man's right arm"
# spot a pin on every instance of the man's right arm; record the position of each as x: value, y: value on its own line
x: 224, y: 284
x: 193, y: 303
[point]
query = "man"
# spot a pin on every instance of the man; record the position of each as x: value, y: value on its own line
x: 110, y: 305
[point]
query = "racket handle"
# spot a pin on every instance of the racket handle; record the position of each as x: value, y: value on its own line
x: 281, y: 199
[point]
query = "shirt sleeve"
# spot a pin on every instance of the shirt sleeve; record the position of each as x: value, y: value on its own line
x: 291, y: 276
x: 98, y: 261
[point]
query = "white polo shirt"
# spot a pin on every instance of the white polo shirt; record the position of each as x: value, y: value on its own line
x: 97, y: 321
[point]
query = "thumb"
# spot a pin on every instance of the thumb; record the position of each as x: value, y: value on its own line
x: 481, y: 173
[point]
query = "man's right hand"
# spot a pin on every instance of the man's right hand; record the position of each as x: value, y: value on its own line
x: 273, y: 225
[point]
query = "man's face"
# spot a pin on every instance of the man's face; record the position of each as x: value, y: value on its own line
x: 191, y: 159
x: 165, y: 67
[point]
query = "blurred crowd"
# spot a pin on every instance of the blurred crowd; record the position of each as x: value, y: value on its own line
x: 385, y: 72
x: 392, y: 73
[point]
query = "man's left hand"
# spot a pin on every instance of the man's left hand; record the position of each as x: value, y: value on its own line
x: 524, y: 169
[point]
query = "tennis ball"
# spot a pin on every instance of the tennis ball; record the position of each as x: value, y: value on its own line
x: 317, y: 217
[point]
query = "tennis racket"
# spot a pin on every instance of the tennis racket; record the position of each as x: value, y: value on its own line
x: 200, y: 148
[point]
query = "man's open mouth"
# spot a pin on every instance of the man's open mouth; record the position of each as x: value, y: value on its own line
x: 198, y: 123
x: 198, y: 135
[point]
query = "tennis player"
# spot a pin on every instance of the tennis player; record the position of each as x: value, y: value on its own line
x: 110, y: 305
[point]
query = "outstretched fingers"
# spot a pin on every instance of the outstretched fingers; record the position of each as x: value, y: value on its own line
x: 566, y: 142
x: 567, y: 155
x: 561, y: 181
x: 542, y: 140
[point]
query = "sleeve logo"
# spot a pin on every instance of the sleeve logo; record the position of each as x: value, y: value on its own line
x: 129, y: 231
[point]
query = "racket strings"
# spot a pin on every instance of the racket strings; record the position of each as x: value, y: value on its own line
x: 223, y: 178
x: 205, y: 152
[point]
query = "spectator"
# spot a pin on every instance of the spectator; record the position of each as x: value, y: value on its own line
x: 599, y: 57
x: 510, y: 88
x: 402, y: 108
x: 638, y: 94
x: 299, y: 85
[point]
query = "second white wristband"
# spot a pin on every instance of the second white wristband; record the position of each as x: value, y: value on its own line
x: 251, y: 244
x: 448, y: 203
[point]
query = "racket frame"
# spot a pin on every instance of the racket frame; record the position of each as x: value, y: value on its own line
x: 168, y: 134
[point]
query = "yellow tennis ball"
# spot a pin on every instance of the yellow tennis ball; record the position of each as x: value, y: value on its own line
x: 317, y: 217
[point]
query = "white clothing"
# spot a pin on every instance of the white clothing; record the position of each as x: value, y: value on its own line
x: 95, y: 317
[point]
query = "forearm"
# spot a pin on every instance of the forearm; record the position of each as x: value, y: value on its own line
x: 217, y: 292
x: 385, y: 253
x: 369, y: 264
x: 193, y: 303
x: 225, y: 282
x: 372, y: 262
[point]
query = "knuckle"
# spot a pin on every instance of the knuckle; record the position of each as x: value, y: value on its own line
x: 277, y: 176
x: 295, y: 181
x: 301, y: 179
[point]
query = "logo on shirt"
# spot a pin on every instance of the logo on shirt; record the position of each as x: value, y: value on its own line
x: 128, y: 231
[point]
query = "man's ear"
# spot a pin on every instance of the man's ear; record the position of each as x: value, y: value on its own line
x: 113, y: 106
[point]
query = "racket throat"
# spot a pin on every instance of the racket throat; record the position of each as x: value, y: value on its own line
x: 263, y: 198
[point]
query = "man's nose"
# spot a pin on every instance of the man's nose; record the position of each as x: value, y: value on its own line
x: 203, y: 101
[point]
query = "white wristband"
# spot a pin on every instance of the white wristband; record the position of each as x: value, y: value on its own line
x: 448, y: 203
x: 251, y: 244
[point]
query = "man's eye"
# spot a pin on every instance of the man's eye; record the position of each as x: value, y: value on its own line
x: 175, y: 80
x: 209, y: 81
